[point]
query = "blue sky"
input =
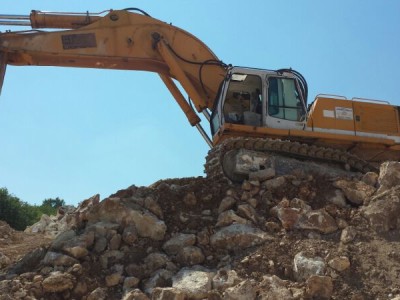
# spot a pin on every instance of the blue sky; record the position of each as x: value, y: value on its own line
x: 72, y: 133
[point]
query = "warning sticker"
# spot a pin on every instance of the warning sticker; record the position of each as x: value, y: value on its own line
x: 328, y: 113
x: 344, y: 113
x: 76, y: 41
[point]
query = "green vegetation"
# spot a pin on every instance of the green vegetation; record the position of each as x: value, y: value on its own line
x: 19, y: 214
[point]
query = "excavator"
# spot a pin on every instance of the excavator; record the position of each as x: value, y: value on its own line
x: 253, y: 113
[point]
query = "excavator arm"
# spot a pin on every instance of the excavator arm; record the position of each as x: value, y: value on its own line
x: 119, y: 39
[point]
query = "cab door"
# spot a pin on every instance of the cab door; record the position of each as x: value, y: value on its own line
x: 284, y: 107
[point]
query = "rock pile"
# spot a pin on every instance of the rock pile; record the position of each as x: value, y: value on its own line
x: 65, y: 219
x: 6, y: 234
x: 292, y: 236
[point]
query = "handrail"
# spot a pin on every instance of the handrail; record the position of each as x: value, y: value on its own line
x: 370, y: 100
x: 331, y: 96
x: 352, y: 99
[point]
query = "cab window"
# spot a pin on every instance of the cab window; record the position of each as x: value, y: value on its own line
x: 283, y: 99
x: 243, y: 101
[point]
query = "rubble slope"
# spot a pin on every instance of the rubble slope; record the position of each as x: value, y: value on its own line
x: 299, y: 235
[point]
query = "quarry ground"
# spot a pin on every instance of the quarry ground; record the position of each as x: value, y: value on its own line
x: 292, y: 236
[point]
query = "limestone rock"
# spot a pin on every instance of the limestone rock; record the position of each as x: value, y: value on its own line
x: 370, y: 178
x: 80, y: 289
x: 4, y: 261
x: 62, y: 239
x: 155, y: 261
x: 130, y: 282
x: 135, y: 294
x: 115, y: 242
x: 190, y: 255
x: 242, y: 291
x: 238, y: 236
x: 357, y: 192
x: 100, y: 244
x: 58, y: 259
x: 383, y: 212
x: 320, y: 287
x: 253, y: 202
x: 229, y: 217
x: 318, y: 220
x: 98, y: 294
x: 389, y: 175
x: 110, y: 256
x: 177, y: 242
x: 161, y: 278
x: 76, y: 269
x: 82, y: 211
x: 58, y: 282
x: 274, y: 288
x: 203, y: 237
x: 114, y: 210
x: 153, y: 206
x: 274, y: 184
x: 296, y: 214
x: 148, y: 225
x: 226, y: 203
x: 113, y: 279
x: 248, y: 212
x: 339, y: 263
x: 130, y: 235
x: 288, y: 216
x: 304, y: 267
x: 102, y: 228
x: 225, y: 279
x: 190, y: 199
x: 194, y: 282
x: 338, y: 199
x: 246, y: 186
x: 167, y: 293
x: 39, y: 226
x: 77, y: 251
x: 348, y: 235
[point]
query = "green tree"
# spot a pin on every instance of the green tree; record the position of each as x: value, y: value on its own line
x: 16, y: 213
x: 49, y: 206
x: 53, y: 202
x: 19, y: 214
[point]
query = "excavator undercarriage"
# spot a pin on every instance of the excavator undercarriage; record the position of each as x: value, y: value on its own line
x: 236, y: 158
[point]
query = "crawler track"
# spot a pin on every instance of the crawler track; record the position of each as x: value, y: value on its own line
x: 214, y: 167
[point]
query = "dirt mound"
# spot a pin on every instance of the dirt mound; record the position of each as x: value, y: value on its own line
x: 5, y: 230
x: 14, y: 245
x: 289, y: 236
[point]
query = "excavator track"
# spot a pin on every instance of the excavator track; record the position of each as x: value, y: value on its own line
x: 214, y: 161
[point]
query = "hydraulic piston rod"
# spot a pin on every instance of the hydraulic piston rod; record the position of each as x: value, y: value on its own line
x: 39, y: 19
x: 15, y: 20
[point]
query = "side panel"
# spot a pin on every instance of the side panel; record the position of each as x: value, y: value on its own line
x: 376, y: 118
x: 331, y: 114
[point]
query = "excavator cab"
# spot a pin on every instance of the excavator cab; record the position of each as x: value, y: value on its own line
x: 255, y: 98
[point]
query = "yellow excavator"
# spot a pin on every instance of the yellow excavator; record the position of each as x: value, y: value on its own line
x: 253, y: 113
